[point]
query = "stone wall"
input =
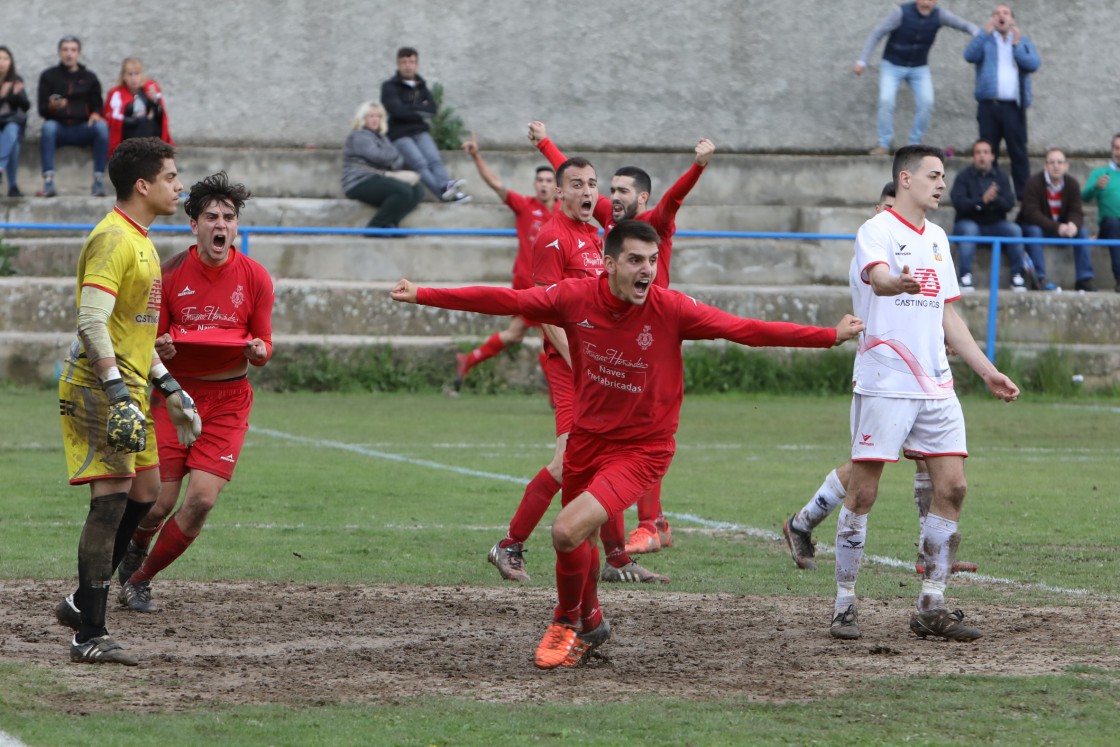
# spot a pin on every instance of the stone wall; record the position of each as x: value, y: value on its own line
x: 753, y: 75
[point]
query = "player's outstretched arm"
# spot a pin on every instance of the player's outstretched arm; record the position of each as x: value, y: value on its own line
x: 704, y: 150
x: 959, y: 338
x: 404, y: 291
x: 850, y: 326
x: 484, y: 170
x: 883, y: 283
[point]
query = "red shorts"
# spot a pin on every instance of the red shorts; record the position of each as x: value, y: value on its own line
x: 617, y: 473
x: 562, y: 389
x: 224, y: 408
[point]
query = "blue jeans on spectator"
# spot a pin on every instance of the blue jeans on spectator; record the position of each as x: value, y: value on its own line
x: 921, y: 83
x: 55, y: 135
x: 967, y: 249
x: 422, y: 156
x: 10, y: 136
x: 1082, y: 263
x: 1110, y: 229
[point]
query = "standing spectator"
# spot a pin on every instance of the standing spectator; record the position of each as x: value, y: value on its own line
x: 212, y: 352
x: 982, y: 197
x: 903, y: 398
x: 372, y: 169
x: 411, y: 108
x: 626, y: 335
x: 912, y: 29
x: 107, y: 431
x: 1004, y: 60
x: 532, y: 213
x: 13, y: 120
x: 1101, y: 187
x: 135, y: 106
x: 1052, y: 208
x: 70, y: 105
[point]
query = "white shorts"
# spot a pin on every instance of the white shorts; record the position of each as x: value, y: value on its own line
x: 882, y: 426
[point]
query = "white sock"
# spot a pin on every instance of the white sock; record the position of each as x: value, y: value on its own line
x: 851, y: 535
x: 923, y: 494
x: 938, y: 546
x: 829, y: 495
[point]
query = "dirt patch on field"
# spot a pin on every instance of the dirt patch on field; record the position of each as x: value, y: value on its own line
x: 298, y: 644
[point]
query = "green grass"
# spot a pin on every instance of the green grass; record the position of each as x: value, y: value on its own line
x: 1040, y: 510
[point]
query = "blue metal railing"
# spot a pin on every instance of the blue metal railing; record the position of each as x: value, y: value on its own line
x: 247, y: 231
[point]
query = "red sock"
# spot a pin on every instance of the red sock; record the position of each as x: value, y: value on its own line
x: 649, y: 508
x: 613, y: 534
x: 589, y: 606
x: 170, y: 544
x: 488, y: 349
x: 571, y: 574
x: 143, y: 537
x: 538, y: 497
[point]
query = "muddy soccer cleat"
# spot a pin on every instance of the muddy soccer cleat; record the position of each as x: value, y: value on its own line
x: 137, y: 597
x: 586, y: 643
x: 845, y: 625
x: 941, y: 623
x: 67, y: 614
x: 100, y: 650
x: 959, y: 566
x: 641, y: 541
x: 632, y: 573
x: 801, y: 545
x: 556, y: 646
x: 664, y: 534
x: 509, y: 561
x: 133, y: 559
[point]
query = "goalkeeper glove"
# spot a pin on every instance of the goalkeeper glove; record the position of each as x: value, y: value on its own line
x: 126, y: 429
x: 180, y: 406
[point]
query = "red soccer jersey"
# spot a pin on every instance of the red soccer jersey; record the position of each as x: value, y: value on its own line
x: 629, y: 376
x: 237, y: 296
x: 663, y: 217
x: 566, y: 248
x: 531, y: 214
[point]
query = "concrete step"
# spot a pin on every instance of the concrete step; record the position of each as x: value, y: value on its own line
x: 35, y: 357
x: 307, y: 307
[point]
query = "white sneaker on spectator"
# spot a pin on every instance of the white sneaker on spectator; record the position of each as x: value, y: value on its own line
x: 1018, y: 284
x: 966, y: 283
x: 451, y: 188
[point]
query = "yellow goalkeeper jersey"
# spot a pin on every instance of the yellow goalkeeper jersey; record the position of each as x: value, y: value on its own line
x: 119, y: 258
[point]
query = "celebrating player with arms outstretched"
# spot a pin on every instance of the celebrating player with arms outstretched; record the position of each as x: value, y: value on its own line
x: 626, y: 335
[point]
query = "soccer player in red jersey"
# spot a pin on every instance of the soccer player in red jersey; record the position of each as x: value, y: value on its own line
x: 215, y: 321
x: 630, y: 190
x: 568, y: 246
x: 532, y: 213
x: 626, y: 335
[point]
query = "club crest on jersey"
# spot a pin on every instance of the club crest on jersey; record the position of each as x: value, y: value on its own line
x: 238, y: 296
x: 937, y: 253
x: 645, y: 338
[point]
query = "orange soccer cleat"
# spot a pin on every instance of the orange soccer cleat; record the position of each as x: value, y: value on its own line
x: 557, y: 645
x: 643, y: 540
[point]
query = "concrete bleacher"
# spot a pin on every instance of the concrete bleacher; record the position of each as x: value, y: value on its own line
x: 332, y: 290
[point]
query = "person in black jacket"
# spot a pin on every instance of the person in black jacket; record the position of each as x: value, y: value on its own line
x: 13, y: 119
x: 982, y: 196
x: 411, y: 108
x: 70, y: 104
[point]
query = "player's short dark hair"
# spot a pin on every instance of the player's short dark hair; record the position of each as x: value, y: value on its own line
x: 549, y: 169
x: 215, y: 188
x: 641, y: 179
x: 629, y: 229
x: 407, y: 52
x: 576, y: 162
x: 909, y: 157
x: 888, y: 191
x: 137, y: 158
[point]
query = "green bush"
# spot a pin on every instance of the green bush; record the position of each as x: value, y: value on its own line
x: 448, y: 129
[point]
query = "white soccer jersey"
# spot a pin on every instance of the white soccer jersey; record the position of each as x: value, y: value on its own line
x: 902, y: 349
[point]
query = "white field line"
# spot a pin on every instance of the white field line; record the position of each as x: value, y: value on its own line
x: 7, y: 740
x: 691, y: 518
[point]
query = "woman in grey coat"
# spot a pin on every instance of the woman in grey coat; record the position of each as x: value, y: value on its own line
x: 371, y: 169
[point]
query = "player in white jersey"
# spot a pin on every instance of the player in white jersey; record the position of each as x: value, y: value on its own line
x: 903, y: 389
x: 798, y: 529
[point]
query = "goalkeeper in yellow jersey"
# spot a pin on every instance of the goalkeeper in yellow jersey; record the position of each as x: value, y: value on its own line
x: 107, y: 429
